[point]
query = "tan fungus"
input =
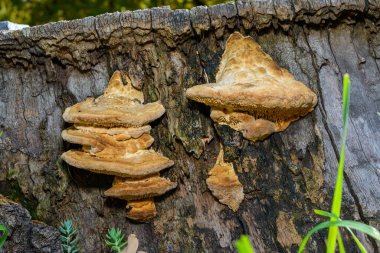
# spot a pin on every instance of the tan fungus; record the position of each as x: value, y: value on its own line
x: 104, y: 145
x: 115, y: 141
x: 250, y: 82
x: 141, y: 210
x: 139, y: 164
x: 134, y: 189
x: 224, y: 183
x: 119, y: 106
x: 120, y: 132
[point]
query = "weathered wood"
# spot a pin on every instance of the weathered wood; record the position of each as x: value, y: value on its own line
x: 45, y: 69
x: 26, y: 235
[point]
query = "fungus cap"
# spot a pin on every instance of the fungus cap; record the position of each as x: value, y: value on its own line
x: 133, y: 189
x: 125, y: 133
x: 251, y: 128
x: 249, y: 80
x: 104, y: 145
x: 139, y: 164
x: 141, y: 210
x: 119, y: 106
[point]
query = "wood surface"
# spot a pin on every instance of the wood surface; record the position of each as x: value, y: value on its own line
x: 45, y: 69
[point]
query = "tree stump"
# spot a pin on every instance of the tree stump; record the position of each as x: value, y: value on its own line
x: 45, y: 69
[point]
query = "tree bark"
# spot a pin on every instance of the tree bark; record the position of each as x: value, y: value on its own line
x: 45, y: 69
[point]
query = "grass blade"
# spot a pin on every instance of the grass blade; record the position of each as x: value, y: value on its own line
x: 337, y: 199
x: 371, y: 231
x: 3, y: 236
x: 340, y: 243
x: 358, y: 243
x: 330, y: 215
x: 243, y: 245
x: 326, y: 214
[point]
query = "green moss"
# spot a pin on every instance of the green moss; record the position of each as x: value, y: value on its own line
x: 15, y: 193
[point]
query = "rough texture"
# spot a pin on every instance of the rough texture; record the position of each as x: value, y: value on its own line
x: 138, y: 164
x: 224, y: 183
x: 45, y: 69
x: 132, y: 189
x: 249, y: 80
x: 141, y: 210
x: 251, y: 93
x: 25, y: 235
x: 105, y: 127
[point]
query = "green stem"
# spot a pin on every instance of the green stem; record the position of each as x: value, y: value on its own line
x: 337, y: 199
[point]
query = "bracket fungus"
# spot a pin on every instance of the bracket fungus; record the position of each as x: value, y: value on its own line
x: 115, y: 139
x: 252, y: 93
x: 224, y: 183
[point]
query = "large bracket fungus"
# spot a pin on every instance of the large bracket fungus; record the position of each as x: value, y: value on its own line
x: 253, y: 95
x: 115, y: 139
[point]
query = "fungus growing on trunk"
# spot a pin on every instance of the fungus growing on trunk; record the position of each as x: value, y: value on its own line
x: 224, y: 183
x: 141, y: 210
x: 252, y: 94
x: 133, y: 189
x: 115, y: 141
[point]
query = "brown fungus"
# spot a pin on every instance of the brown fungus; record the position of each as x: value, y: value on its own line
x: 121, y: 105
x: 115, y: 141
x: 104, y: 144
x: 252, y: 94
x: 224, y: 183
x: 139, y: 164
x: 141, y: 210
x: 134, y: 189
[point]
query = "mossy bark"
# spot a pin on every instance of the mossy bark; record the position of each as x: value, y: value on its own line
x: 47, y: 68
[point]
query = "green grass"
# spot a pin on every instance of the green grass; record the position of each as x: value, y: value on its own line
x: 337, y: 199
x: 243, y: 245
x: 335, y: 222
x: 3, y: 236
x: 69, y: 237
x: 115, y: 240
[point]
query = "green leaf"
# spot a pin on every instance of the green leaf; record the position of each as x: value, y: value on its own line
x: 371, y: 231
x: 4, y: 235
x: 330, y: 215
x: 243, y: 245
x: 69, y: 237
x: 115, y: 240
x: 340, y: 243
x: 326, y: 214
x: 358, y: 243
x: 337, y: 199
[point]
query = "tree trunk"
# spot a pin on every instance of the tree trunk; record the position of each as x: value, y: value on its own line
x: 45, y: 69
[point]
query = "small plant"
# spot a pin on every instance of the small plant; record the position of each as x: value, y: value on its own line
x: 69, y: 237
x: 4, y: 235
x: 335, y: 221
x: 115, y: 240
x: 243, y: 245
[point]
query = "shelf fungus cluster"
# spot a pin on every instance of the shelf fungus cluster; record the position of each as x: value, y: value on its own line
x: 114, y: 133
x: 252, y: 94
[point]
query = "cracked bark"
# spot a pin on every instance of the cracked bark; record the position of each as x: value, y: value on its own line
x: 47, y: 68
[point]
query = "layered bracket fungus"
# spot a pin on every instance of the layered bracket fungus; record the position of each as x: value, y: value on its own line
x: 115, y: 139
x: 253, y: 95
